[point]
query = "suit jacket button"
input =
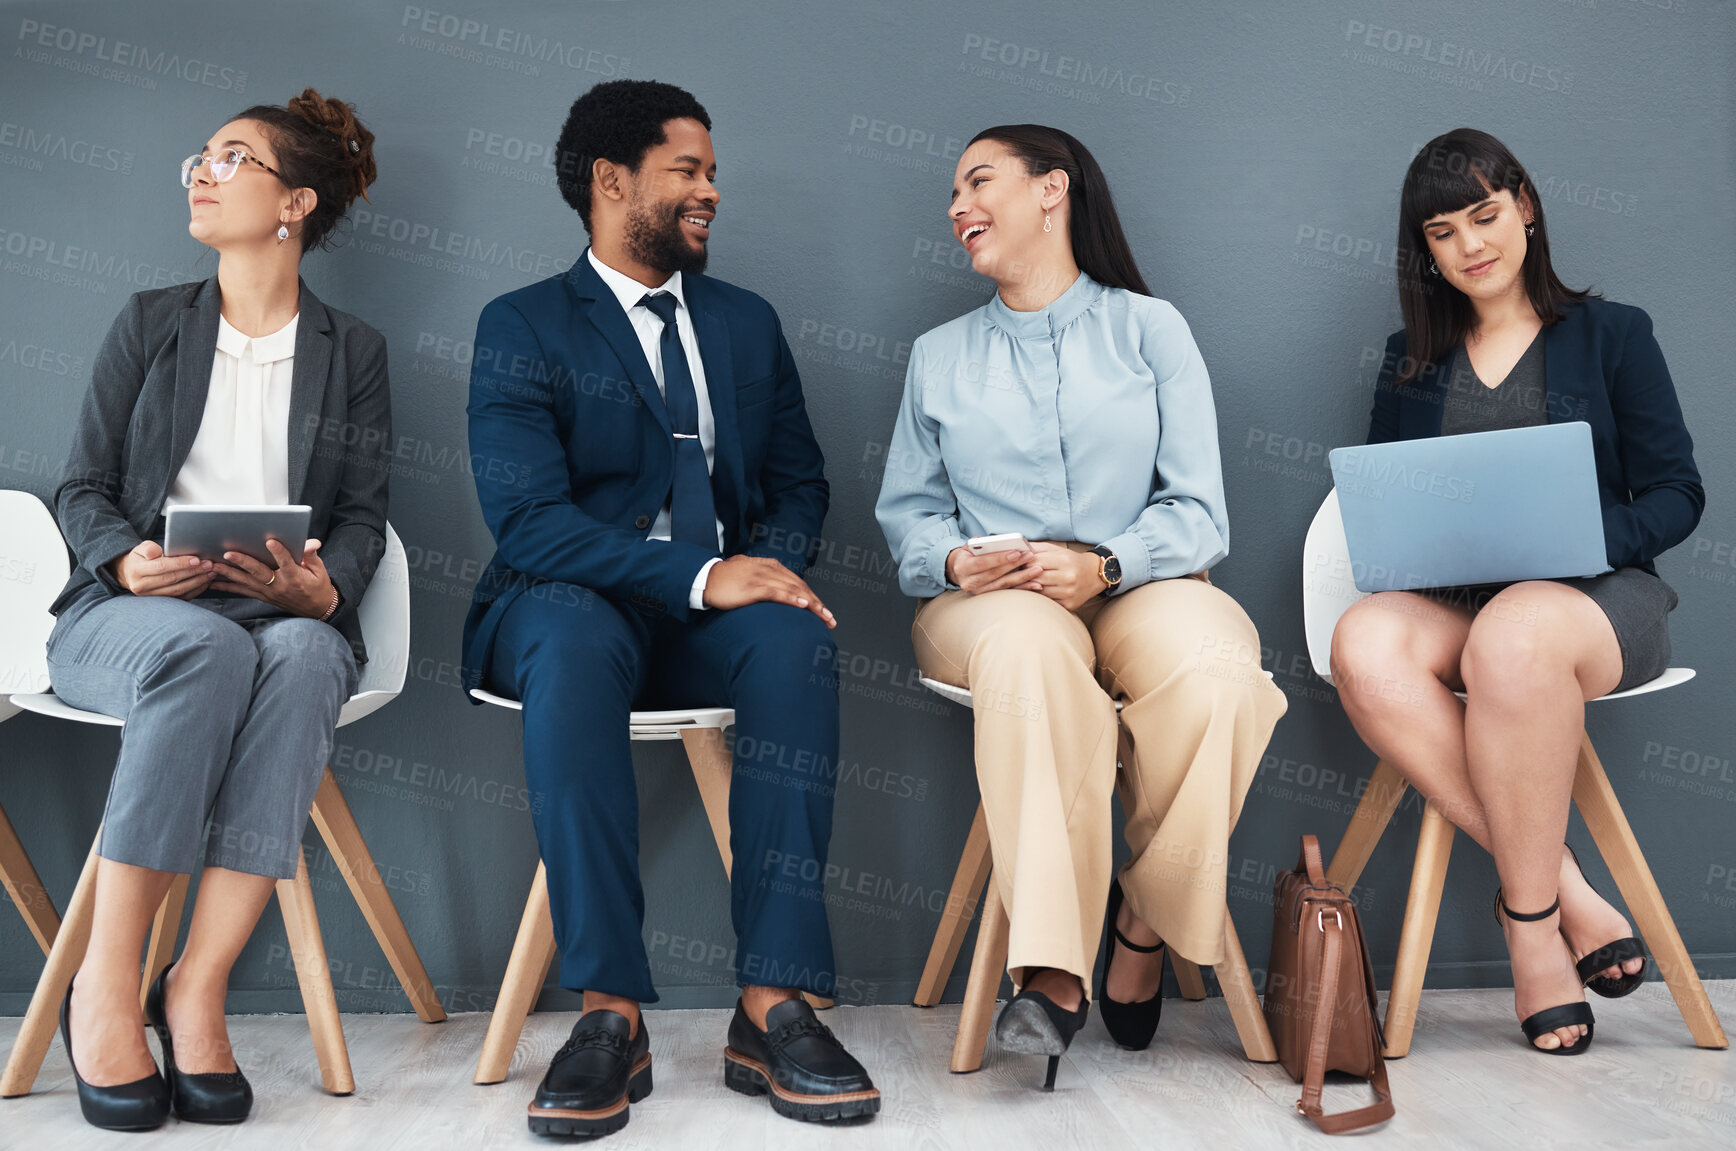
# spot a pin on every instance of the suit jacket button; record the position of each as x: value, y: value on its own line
x: 642, y: 522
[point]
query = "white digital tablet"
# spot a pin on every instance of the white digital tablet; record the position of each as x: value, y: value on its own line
x: 209, y: 530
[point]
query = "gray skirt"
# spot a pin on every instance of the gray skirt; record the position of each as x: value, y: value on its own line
x: 1637, y: 603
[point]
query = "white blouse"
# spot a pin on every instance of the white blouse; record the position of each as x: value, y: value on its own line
x: 241, y: 454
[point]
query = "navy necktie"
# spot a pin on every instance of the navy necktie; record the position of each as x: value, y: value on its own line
x: 692, y: 510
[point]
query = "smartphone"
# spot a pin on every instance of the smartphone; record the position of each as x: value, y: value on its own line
x: 1005, y: 542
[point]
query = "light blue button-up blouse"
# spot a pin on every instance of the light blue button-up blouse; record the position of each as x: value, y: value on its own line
x: 1090, y: 419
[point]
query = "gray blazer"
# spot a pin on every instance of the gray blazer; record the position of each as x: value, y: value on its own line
x: 146, y: 400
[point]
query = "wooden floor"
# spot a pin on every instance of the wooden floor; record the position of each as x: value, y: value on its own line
x: 1467, y: 1083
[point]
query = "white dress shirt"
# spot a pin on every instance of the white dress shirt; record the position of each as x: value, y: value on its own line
x: 241, y: 452
x: 648, y: 326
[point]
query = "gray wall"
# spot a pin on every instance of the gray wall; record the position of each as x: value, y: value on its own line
x: 1255, y: 150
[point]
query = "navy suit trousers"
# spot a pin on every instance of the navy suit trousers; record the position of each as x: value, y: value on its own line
x: 580, y: 663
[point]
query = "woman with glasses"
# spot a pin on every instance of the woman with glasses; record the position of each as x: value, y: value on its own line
x: 1072, y: 413
x: 242, y: 389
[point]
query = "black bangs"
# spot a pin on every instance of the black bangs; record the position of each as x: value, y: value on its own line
x: 1454, y: 171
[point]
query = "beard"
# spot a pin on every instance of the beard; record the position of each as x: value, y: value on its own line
x: 655, y: 239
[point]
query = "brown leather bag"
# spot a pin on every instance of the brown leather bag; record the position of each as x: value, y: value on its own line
x: 1320, y: 1001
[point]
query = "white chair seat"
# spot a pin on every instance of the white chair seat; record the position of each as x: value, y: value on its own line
x: 47, y: 703
x: 385, y: 620
x: 962, y: 696
x: 645, y: 725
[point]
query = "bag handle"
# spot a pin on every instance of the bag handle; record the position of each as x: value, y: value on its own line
x: 1320, y: 1037
x: 1310, y: 861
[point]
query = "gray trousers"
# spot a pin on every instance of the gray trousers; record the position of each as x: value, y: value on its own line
x: 230, y: 709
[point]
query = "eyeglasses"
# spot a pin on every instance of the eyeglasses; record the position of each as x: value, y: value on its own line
x: 223, y: 166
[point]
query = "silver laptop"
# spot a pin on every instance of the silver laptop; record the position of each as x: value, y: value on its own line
x: 1488, y: 507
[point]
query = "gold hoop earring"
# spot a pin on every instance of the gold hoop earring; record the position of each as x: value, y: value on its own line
x: 1047, y: 225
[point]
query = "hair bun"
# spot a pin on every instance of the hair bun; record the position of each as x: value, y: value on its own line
x: 338, y: 120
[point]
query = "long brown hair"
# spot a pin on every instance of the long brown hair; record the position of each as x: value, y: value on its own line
x: 1452, y: 172
x: 1099, y: 245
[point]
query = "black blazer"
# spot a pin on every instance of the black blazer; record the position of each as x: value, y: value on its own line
x: 1601, y: 366
x: 143, y: 409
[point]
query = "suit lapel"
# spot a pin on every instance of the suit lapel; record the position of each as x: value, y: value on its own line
x: 604, y: 312
x: 308, y: 381
x: 195, y: 352
x: 714, y: 352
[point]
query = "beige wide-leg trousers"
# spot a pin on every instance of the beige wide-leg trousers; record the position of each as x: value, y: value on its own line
x: 1183, y: 659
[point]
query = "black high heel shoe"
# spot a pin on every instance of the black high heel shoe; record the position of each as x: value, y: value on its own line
x: 210, y: 1097
x: 1609, y: 955
x: 1130, y: 1024
x: 1032, y: 1024
x: 141, y: 1105
x: 1541, y: 1023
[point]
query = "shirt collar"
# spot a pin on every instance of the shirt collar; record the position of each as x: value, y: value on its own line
x: 1046, y: 323
x: 630, y: 291
x: 278, y: 345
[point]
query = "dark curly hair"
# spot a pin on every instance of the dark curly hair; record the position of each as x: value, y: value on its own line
x: 618, y: 120
x: 320, y: 145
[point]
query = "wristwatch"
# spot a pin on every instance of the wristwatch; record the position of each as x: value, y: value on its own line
x: 1108, y: 567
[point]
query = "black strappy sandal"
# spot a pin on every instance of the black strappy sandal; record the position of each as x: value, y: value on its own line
x: 1609, y: 955
x: 1541, y: 1023
x: 1130, y: 1024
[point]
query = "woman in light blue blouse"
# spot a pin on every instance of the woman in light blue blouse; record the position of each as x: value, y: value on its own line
x: 1073, y: 408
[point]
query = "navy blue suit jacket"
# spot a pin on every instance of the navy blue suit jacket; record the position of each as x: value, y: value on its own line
x: 571, y: 448
x: 1603, y: 366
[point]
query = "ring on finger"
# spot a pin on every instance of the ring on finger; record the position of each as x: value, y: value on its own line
x: 272, y: 580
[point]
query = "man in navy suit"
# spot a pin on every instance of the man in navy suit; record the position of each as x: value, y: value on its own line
x: 647, y: 468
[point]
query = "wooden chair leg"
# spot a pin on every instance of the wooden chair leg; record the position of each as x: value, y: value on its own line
x: 1373, y: 812
x: 986, y: 969
x: 961, y: 906
x: 1238, y: 985
x: 1188, y: 977
x: 712, y: 768
x: 25, y: 889
x: 710, y: 761
x: 1621, y: 851
x: 331, y: 814
x: 532, y: 954
x: 307, y: 948
x: 43, y: 1016
x: 165, y: 931
x: 1422, y: 907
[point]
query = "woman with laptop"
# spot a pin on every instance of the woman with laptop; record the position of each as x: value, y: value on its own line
x: 1071, y: 417
x: 1494, y: 340
x: 230, y: 672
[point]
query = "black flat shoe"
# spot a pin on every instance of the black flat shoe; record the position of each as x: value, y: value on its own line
x: 141, y: 1105
x: 1541, y: 1023
x: 1032, y: 1024
x: 1130, y: 1024
x: 1612, y: 954
x: 799, y: 1063
x: 207, y: 1097
x: 599, y: 1070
